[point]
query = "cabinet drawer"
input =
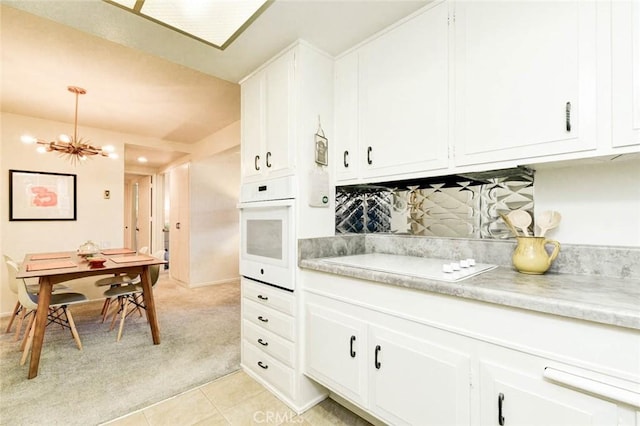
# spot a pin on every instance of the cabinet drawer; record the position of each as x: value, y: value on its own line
x: 268, y: 296
x: 269, y: 319
x: 269, y: 343
x: 269, y: 369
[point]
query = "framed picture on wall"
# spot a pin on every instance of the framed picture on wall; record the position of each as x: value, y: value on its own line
x: 322, y: 150
x: 41, y: 196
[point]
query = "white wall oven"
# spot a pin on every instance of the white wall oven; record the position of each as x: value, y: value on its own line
x: 267, y: 232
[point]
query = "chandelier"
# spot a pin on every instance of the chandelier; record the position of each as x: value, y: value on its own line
x: 74, y: 148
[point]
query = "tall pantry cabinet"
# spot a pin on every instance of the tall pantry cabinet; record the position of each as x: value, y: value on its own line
x: 284, y: 102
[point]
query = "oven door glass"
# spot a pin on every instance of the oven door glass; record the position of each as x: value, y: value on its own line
x: 264, y: 238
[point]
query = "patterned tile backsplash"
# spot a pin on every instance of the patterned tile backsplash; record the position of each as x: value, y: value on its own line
x: 452, y: 206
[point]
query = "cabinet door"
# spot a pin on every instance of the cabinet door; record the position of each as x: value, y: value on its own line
x: 525, y: 79
x: 522, y: 397
x: 626, y: 72
x: 335, y: 351
x: 279, y: 128
x: 416, y: 382
x: 403, y: 97
x: 252, y: 97
x: 346, y: 117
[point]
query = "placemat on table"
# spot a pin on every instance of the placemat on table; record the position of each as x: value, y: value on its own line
x: 40, y: 266
x: 118, y: 251
x: 127, y: 259
x: 45, y: 256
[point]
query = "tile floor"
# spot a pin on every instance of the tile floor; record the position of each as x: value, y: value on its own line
x: 235, y: 399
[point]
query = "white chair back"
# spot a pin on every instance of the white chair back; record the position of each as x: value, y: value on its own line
x: 28, y: 300
x: 13, y: 284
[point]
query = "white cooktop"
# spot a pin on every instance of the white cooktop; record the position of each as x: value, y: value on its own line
x: 420, y: 267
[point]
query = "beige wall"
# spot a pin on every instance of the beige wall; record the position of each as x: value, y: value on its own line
x: 215, y: 183
x: 98, y: 219
x: 599, y: 200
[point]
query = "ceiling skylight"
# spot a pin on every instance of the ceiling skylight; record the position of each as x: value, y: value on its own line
x: 215, y: 22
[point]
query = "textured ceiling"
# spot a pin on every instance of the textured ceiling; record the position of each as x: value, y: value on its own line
x: 144, y: 79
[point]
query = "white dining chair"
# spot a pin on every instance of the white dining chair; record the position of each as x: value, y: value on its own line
x: 59, y: 312
x: 117, y: 281
x: 130, y: 297
x: 19, y: 312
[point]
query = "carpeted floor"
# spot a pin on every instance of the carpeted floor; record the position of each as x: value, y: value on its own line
x: 200, y: 341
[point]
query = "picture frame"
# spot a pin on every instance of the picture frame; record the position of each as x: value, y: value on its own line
x: 37, y: 195
x: 322, y: 150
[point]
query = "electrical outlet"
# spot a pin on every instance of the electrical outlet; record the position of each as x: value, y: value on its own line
x: 107, y: 194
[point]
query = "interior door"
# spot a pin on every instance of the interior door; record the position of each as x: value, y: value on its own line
x: 179, y: 220
x: 128, y: 216
x: 144, y: 216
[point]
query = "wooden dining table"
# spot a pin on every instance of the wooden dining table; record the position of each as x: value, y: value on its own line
x: 58, y: 267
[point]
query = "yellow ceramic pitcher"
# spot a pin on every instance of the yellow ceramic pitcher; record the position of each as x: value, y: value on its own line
x: 530, y: 256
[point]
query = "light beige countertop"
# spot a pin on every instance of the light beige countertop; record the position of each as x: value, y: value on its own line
x: 602, y: 299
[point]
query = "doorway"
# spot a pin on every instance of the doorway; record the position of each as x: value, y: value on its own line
x: 138, y: 212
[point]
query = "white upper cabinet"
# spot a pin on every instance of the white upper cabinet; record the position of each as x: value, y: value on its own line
x: 525, y: 79
x: 392, y: 100
x: 346, y: 116
x: 626, y: 72
x: 403, y: 96
x: 267, y: 108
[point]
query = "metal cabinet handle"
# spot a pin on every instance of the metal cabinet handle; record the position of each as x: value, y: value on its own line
x: 265, y: 366
x: 261, y: 297
x: 177, y: 225
x: 351, y: 351
x: 567, y: 111
x: 255, y: 162
x: 500, y: 416
x: 376, y: 363
x: 369, y: 149
x: 268, y: 162
x: 263, y: 319
x: 263, y: 343
x: 345, y: 158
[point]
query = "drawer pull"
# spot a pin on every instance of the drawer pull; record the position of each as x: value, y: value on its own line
x: 263, y: 343
x: 376, y: 363
x: 351, y: 351
x: 255, y: 162
x: 268, y: 162
x: 263, y: 319
x: 261, y: 365
x: 261, y: 297
x: 500, y: 416
x: 586, y: 384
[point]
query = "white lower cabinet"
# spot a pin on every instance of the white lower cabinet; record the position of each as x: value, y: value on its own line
x: 417, y: 358
x: 398, y: 377
x: 270, y: 345
x: 268, y: 335
x: 416, y: 381
x: 513, y: 391
x: 336, y: 351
